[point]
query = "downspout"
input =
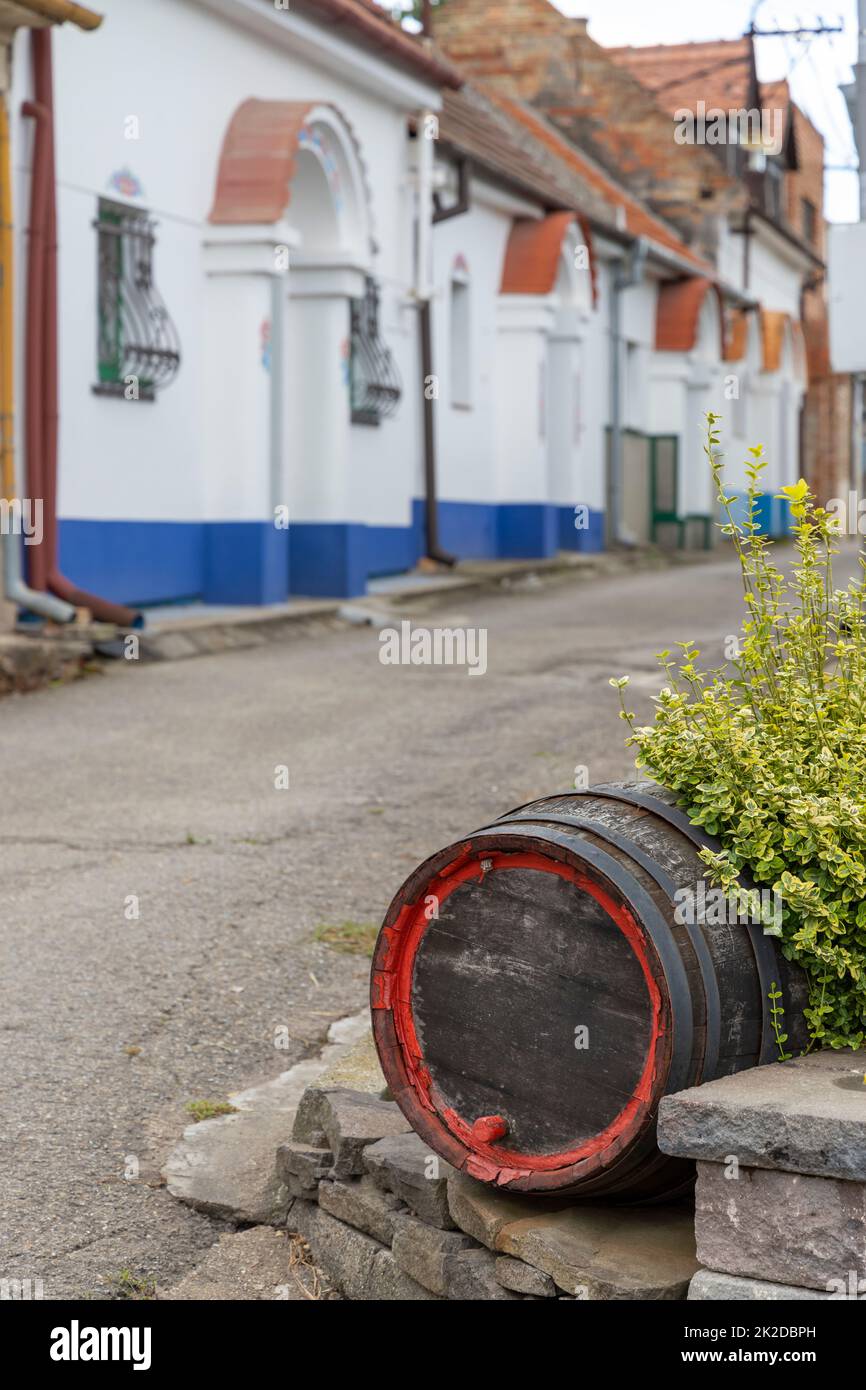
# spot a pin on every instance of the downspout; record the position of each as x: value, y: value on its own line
x: 624, y: 277
x: 42, y: 321
x: 16, y: 591
x: 424, y: 294
x: 37, y: 559
x: 275, y: 441
x: 433, y: 550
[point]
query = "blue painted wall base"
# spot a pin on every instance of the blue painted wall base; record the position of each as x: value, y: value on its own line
x: 252, y: 562
x: 588, y: 538
x: 134, y: 561
x: 773, y: 514
x: 245, y: 562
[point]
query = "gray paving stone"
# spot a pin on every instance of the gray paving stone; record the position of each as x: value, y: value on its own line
x: 360, y: 1267
x: 803, y: 1116
x: 789, y: 1228
x: 405, y: 1166
x: 423, y: 1252
x: 609, y: 1253
x: 521, y: 1278
x: 307, y: 1165
x: 226, y: 1166
x: 707, y: 1284
x: 361, y: 1203
x: 351, y: 1121
x: 483, y: 1211
x: 471, y: 1275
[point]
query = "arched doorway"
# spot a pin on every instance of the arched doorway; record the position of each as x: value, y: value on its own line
x: 289, y: 249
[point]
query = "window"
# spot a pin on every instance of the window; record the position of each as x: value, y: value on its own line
x: 810, y: 221
x: 633, y: 394
x: 773, y: 190
x: 137, y: 345
x: 374, y: 382
x: 461, y: 338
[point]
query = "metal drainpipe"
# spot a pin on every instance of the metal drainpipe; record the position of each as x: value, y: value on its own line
x: 424, y: 293
x: 42, y: 321
x: 15, y: 590
x: 425, y: 321
x: 623, y: 279
x: 278, y: 300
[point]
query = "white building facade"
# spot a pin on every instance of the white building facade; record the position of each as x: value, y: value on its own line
x: 248, y: 225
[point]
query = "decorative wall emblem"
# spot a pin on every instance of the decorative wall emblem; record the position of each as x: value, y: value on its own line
x: 126, y: 183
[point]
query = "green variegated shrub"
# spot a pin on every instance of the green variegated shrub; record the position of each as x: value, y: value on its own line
x: 768, y: 752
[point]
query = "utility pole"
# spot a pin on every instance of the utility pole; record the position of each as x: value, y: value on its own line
x: 860, y: 93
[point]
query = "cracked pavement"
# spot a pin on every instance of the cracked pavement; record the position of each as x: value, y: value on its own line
x: 156, y: 783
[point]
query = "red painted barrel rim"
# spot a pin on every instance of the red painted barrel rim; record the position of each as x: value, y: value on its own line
x: 392, y: 992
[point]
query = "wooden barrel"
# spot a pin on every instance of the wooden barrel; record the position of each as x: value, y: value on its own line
x: 539, y: 986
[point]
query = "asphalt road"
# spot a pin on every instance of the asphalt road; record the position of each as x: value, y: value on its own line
x: 156, y: 783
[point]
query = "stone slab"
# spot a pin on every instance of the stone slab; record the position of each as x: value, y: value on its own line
x: 804, y: 1116
x: 789, y: 1228
x: 405, y: 1166
x: 707, y: 1285
x: 521, y: 1278
x: 608, y: 1253
x: 363, y: 1204
x: 470, y: 1276
x: 352, y: 1121
x: 482, y: 1211
x: 360, y: 1267
x: 423, y: 1252
x: 305, y: 1163
x: 226, y: 1166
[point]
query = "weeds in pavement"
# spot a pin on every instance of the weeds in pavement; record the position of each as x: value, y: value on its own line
x: 349, y: 938
x: 136, y: 1287
x: 209, y: 1109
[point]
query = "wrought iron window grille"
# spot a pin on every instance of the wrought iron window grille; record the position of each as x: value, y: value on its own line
x: 374, y: 382
x: 138, y: 351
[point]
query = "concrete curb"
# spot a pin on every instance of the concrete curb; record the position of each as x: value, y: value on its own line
x: 31, y: 663
x: 177, y: 640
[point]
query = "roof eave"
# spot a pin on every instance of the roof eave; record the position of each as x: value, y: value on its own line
x: 61, y: 12
x: 414, y: 53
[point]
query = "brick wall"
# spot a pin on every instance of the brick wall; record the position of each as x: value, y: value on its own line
x: 807, y: 182
x: 828, y: 404
x: 528, y: 48
x: 827, y: 437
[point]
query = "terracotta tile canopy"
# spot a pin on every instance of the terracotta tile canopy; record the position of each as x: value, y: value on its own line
x: 533, y: 252
x: 678, y: 312
x: 257, y: 160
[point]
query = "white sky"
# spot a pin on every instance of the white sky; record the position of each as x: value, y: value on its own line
x: 815, y: 67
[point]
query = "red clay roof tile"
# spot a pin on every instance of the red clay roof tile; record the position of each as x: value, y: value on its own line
x: 637, y: 219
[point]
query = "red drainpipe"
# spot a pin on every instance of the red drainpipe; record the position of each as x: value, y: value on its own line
x: 41, y: 393
x: 37, y: 555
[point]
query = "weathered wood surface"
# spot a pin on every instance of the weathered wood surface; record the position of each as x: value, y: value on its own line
x: 535, y: 994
